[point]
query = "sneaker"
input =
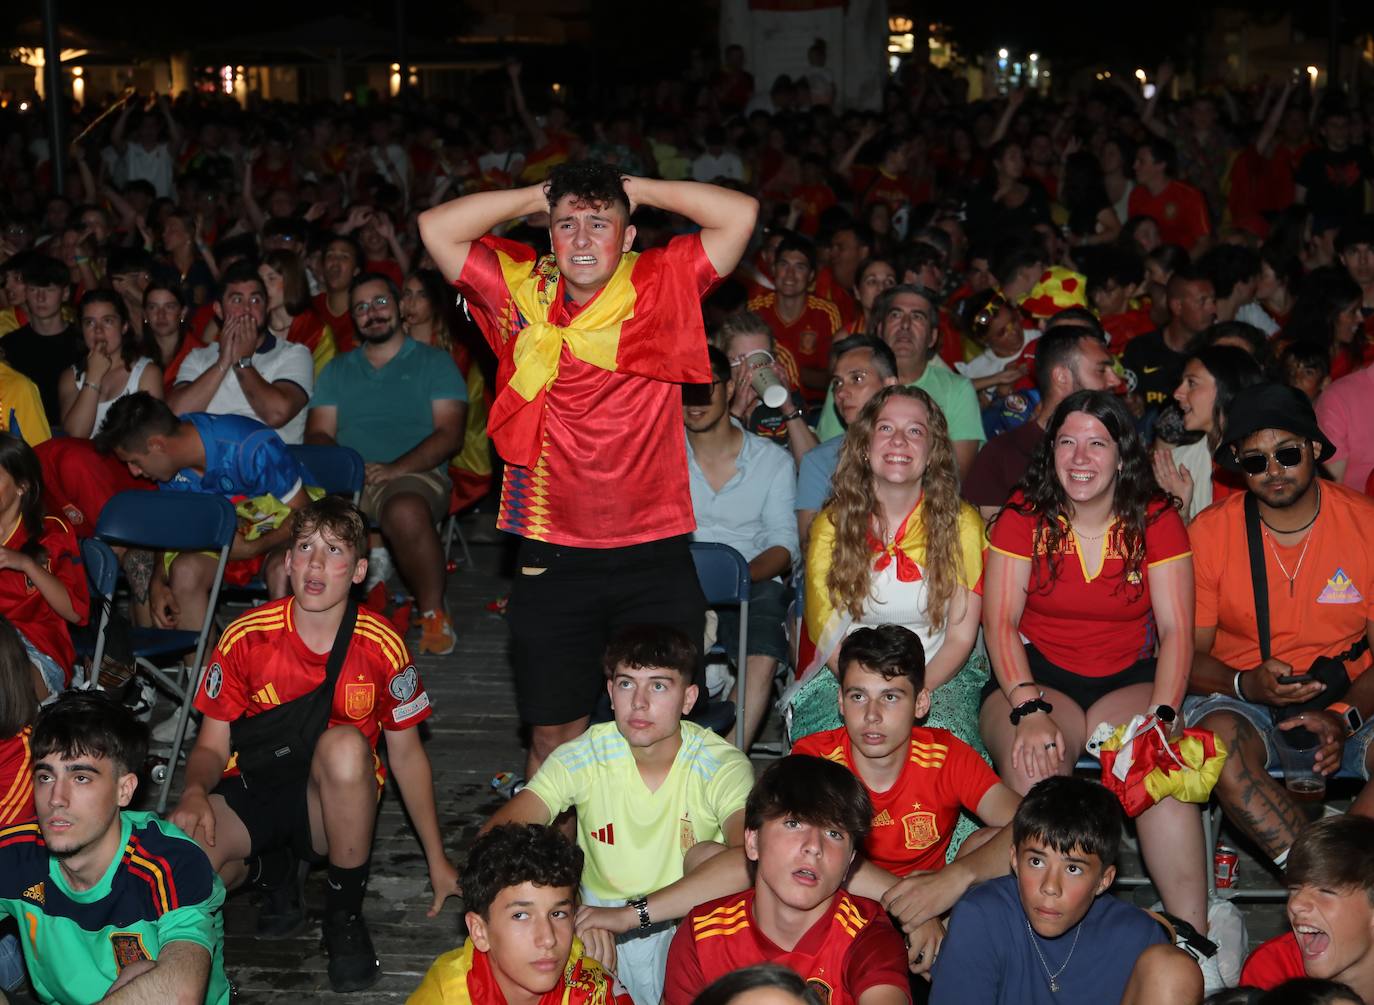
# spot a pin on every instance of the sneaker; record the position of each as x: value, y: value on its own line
x: 281, y: 912
x: 1226, y: 927
x: 436, y: 633
x: 165, y: 731
x: 353, y: 963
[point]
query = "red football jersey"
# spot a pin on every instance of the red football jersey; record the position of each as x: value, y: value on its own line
x: 16, y: 778
x: 1092, y: 626
x: 28, y: 610
x: 851, y: 949
x: 261, y: 663
x: 914, y: 820
x: 612, y: 468
x: 345, y: 335
x: 807, y: 338
x: 1180, y: 210
x: 1274, y: 962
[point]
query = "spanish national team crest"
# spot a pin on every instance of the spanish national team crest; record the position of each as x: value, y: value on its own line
x: 128, y: 948
x: 808, y: 342
x: 687, y: 834
x: 920, y: 829
x: 358, y: 699
x: 821, y: 990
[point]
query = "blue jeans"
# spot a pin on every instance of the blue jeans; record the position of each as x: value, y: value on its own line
x: 1196, y: 707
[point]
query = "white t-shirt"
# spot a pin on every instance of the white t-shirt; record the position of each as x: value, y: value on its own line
x: 154, y: 166
x: 1253, y: 314
x: 276, y: 360
x: 708, y: 168
x: 102, y: 408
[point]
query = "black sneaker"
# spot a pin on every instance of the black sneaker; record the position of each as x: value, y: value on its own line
x: 281, y: 908
x: 353, y: 964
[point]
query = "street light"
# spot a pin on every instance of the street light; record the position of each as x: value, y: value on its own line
x: 1001, y: 53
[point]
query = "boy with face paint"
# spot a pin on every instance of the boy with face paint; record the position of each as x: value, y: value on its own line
x: 804, y: 823
x: 520, y: 889
x: 1046, y: 934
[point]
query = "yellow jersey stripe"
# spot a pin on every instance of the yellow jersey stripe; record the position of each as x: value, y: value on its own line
x: 236, y: 632
x: 156, y: 870
x: 712, y: 932
x: 16, y: 829
x: 387, y: 646
x: 725, y: 910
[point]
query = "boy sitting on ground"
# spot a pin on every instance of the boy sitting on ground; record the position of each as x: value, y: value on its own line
x: 520, y: 890
x: 918, y: 780
x: 656, y: 797
x: 1047, y: 935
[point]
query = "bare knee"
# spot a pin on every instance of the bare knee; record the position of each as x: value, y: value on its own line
x: 342, y: 756
x: 1164, y: 975
x: 544, y: 740
x: 404, y: 512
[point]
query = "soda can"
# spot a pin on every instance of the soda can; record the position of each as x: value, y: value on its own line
x: 1225, y: 864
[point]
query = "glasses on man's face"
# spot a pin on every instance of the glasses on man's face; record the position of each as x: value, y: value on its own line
x: 1258, y: 464
x: 363, y: 307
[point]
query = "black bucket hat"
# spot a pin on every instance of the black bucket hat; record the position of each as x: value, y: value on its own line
x: 1270, y: 406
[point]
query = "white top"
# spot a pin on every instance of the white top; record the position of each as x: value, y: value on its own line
x: 708, y: 168
x: 1123, y: 205
x: 1253, y: 314
x: 130, y: 386
x: 154, y: 165
x: 276, y: 360
x: 987, y: 362
x: 892, y: 602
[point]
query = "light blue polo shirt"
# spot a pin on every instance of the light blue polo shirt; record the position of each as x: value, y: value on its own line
x: 385, y: 412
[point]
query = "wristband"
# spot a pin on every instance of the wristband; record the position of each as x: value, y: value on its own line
x: 641, y: 905
x: 795, y: 415
x: 1030, y: 708
x: 1235, y: 686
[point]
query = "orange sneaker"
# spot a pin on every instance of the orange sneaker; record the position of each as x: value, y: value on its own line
x: 436, y: 633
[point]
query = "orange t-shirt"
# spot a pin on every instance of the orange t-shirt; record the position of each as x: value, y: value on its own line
x: 1180, y: 210
x: 1333, y: 583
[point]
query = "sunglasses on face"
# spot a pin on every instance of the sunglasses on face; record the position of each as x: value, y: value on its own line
x: 984, y: 318
x: 1258, y: 464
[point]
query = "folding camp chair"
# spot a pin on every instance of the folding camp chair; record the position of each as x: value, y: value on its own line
x: 102, y: 573
x: 171, y: 521
x: 337, y: 470
x: 724, y: 576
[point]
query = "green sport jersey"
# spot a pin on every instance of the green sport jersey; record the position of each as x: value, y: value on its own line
x: 159, y: 889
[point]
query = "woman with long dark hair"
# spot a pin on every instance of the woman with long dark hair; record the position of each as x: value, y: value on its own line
x: 42, y: 582
x: 114, y: 366
x: 1328, y: 311
x: 166, y: 339
x: 1185, y: 469
x: 1088, y: 614
x: 290, y: 313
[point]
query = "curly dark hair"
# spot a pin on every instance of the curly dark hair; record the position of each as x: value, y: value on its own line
x: 518, y: 853
x: 1136, y: 492
x: 592, y: 182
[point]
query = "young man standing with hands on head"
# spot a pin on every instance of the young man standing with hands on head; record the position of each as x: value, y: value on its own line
x: 655, y: 797
x: 591, y: 346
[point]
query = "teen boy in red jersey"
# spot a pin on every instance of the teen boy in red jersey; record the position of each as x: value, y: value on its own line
x: 520, y: 889
x: 918, y: 780
x: 276, y: 655
x: 804, y: 823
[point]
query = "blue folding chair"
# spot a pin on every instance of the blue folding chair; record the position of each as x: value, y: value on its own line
x: 724, y: 576
x: 171, y: 521
x: 337, y: 470
x: 102, y: 574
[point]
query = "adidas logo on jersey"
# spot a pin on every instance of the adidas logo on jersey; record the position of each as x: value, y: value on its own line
x: 606, y: 835
x: 883, y: 819
x: 35, y: 894
x: 267, y: 696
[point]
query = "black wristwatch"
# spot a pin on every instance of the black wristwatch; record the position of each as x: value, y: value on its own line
x: 641, y: 904
x: 794, y: 415
x: 1165, y: 713
x: 1029, y: 708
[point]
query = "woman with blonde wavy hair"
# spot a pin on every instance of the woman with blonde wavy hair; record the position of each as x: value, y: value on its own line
x: 895, y: 544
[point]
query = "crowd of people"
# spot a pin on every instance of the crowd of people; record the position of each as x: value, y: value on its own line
x: 1026, y: 415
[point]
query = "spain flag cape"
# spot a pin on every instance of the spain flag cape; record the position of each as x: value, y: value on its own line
x: 464, y: 977
x: 611, y: 332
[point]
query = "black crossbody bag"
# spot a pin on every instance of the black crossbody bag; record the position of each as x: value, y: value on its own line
x: 1329, y: 670
x: 276, y: 747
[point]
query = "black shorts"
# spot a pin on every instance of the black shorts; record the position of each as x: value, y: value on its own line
x: 276, y: 816
x: 562, y: 617
x: 1085, y: 691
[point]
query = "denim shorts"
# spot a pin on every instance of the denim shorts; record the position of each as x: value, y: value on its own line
x: 1196, y: 707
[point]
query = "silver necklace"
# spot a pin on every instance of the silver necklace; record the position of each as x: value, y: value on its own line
x: 1054, y: 981
x: 1284, y: 569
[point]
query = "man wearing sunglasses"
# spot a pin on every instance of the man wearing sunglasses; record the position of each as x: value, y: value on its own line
x: 249, y: 372
x: 403, y: 406
x: 1306, y: 668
